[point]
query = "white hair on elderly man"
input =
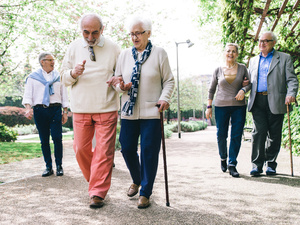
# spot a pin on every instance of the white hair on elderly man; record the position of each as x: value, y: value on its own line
x: 134, y: 20
x: 95, y: 15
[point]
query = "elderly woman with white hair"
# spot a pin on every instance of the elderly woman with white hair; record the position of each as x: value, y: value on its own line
x: 230, y: 105
x: 147, y: 81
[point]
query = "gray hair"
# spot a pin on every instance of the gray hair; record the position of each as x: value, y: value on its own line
x: 93, y: 15
x: 145, y: 22
x: 43, y: 56
x: 274, y: 38
x: 233, y: 44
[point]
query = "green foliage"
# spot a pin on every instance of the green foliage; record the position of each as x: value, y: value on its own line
x: 190, y: 126
x: 237, y: 24
x: 209, y: 11
x: 192, y: 95
x: 240, y: 24
x: 25, y: 129
x: 167, y: 132
x: 295, y: 131
x: 7, y: 134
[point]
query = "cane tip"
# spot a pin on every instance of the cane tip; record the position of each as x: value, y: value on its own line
x: 168, y: 204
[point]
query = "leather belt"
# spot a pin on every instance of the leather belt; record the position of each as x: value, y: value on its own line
x: 262, y: 93
x: 51, y: 105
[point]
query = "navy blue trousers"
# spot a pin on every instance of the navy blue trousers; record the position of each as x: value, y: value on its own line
x: 49, y: 121
x: 143, y: 171
x: 237, y: 116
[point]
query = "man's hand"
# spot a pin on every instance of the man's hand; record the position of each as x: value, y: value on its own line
x: 289, y: 100
x: 125, y: 87
x: 78, y: 70
x: 162, y: 105
x: 114, y: 81
x: 64, y: 118
x: 28, y: 112
x: 245, y: 82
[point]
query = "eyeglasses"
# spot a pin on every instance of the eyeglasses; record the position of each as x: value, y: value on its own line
x: 50, y: 60
x: 265, y: 41
x: 92, y: 55
x: 136, y: 34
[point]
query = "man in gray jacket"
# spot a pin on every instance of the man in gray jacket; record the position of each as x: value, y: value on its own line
x: 274, y: 85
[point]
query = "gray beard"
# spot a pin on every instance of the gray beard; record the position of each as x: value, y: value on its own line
x: 96, y: 42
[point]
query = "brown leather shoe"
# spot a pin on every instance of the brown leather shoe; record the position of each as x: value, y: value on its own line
x: 96, y: 202
x: 143, y: 202
x: 133, y: 190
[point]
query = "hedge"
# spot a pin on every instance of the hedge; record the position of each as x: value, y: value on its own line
x: 12, y: 116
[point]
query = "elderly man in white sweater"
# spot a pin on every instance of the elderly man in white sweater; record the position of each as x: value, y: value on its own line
x: 89, y: 62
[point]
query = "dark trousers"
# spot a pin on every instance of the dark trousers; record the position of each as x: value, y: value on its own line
x: 266, y: 134
x: 48, y: 121
x: 237, y: 116
x: 143, y: 171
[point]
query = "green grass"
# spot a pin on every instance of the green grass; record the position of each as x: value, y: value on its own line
x: 18, y: 151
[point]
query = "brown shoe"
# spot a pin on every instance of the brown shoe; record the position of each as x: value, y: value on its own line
x: 96, y: 202
x: 143, y: 202
x: 133, y: 190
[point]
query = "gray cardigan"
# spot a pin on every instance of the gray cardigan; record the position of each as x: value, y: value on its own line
x: 226, y: 92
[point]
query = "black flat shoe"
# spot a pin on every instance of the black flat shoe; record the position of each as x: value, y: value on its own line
x: 255, y: 172
x: 270, y: 171
x: 47, y: 172
x: 223, y: 165
x: 59, y: 171
x: 233, y: 172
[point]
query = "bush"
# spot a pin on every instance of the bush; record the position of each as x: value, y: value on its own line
x: 31, y: 129
x: 190, y: 126
x: 11, y: 116
x: 7, y: 134
x: 25, y: 129
x: 168, y: 132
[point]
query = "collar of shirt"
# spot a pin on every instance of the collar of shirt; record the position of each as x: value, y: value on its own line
x: 100, y: 44
x: 46, y: 75
x: 270, y: 54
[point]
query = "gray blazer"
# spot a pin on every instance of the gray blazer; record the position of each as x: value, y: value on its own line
x: 282, y: 81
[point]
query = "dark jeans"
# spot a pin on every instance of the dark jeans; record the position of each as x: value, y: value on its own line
x: 142, y: 171
x: 266, y: 134
x: 48, y: 121
x: 237, y: 116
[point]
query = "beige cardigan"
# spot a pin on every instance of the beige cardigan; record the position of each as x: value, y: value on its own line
x: 156, y: 82
x: 89, y: 92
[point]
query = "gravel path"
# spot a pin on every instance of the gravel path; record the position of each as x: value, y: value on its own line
x: 200, y: 193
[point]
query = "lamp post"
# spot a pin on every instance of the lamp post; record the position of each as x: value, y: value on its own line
x: 190, y: 44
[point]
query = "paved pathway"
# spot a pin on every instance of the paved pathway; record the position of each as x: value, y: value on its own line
x: 199, y: 192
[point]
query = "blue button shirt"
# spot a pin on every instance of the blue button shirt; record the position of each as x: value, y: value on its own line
x: 263, y: 69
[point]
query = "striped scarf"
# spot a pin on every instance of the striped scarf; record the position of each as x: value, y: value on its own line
x: 127, y: 109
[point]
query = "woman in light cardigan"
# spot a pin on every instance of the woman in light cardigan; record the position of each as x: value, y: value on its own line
x: 147, y: 80
x: 230, y: 105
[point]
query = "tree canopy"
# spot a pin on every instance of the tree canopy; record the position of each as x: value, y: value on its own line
x: 243, y: 21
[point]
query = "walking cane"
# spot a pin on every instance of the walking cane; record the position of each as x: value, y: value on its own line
x: 290, y: 141
x: 164, y: 155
